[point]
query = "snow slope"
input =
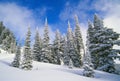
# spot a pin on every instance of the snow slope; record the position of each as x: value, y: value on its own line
x: 47, y: 72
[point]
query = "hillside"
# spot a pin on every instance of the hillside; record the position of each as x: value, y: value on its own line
x: 47, y: 72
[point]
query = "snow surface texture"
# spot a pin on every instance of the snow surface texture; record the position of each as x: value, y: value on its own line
x: 47, y: 72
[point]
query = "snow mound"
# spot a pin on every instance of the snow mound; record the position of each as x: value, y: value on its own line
x: 47, y: 72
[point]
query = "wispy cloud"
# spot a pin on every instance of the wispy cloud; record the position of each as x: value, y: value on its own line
x: 112, y: 13
x: 80, y: 9
x: 71, y: 9
x: 17, y: 19
x: 107, y: 9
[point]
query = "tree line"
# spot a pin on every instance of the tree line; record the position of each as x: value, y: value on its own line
x: 70, y: 50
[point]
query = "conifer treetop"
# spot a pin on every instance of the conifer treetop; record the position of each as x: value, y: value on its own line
x: 76, y: 20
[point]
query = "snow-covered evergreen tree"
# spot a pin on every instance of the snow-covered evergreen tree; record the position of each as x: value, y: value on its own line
x: 79, y: 41
x: 6, y: 39
x: 12, y: 46
x: 71, y: 49
x: 90, y: 38
x: 16, y: 62
x: 57, y: 45
x: 63, y: 39
x: 87, y: 64
x: 46, y: 50
x: 102, y: 46
x: 37, y: 47
x: 70, y: 64
x: 5, y: 43
x: 88, y: 70
x: 2, y: 27
x: 65, y: 56
x: 27, y: 58
x: 4, y: 34
x: 61, y: 61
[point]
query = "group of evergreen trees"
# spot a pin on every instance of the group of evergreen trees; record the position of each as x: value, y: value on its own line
x: 64, y: 48
x: 100, y: 45
x: 7, y: 39
x: 68, y: 49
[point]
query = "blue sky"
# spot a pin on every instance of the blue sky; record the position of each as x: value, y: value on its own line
x: 18, y: 14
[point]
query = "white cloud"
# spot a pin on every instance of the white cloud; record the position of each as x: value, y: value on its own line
x: 71, y: 9
x: 111, y: 11
x: 69, y: 12
x: 17, y: 19
x: 108, y: 9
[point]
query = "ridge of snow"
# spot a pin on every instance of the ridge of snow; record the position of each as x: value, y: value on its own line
x: 47, y: 72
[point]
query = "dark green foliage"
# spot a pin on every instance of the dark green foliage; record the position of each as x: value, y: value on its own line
x: 6, y: 38
x: 56, y: 46
x: 16, y: 62
x: 46, y: 55
x: 78, y: 41
x: 27, y: 58
x: 102, y: 40
x: 37, y: 47
x: 2, y: 27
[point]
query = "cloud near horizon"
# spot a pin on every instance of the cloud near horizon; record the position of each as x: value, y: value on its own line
x: 18, y: 18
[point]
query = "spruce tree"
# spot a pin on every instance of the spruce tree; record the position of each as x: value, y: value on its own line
x: 62, y: 46
x: 70, y: 64
x: 102, y: 47
x: 37, y: 48
x: 46, y: 50
x: 87, y: 64
x: 91, y: 39
x: 13, y: 46
x: 4, y: 34
x: 56, y: 45
x: 2, y: 27
x: 79, y: 41
x: 65, y: 56
x: 5, y: 43
x: 71, y: 49
x: 27, y: 58
x: 16, y: 62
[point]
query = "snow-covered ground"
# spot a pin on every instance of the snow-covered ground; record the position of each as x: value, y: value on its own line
x: 47, y: 72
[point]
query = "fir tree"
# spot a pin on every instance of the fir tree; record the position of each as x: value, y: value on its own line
x: 102, y: 47
x: 13, y: 46
x: 27, y: 58
x: 37, y: 48
x: 79, y: 41
x: 5, y: 44
x: 71, y: 49
x: 87, y: 64
x: 90, y: 38
x: 2, y: 27
x: 4, y: 34
x: 66, y: 57
x: 57, y: 45
x: 16, y: 62
x: 70, y: 64
x: 46, y: 50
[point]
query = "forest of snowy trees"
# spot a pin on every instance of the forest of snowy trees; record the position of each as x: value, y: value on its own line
x: 68, y: 49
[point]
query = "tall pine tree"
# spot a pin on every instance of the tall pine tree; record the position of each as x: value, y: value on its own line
x: 37, y: 47
x: 57, y: 44
x: 46, y: 50
x: 27, y: 58
x: 87, y: 64
x: 102, y: 47
x: 16, y: 62
x: 71, y: 49
x: 79, y: 41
